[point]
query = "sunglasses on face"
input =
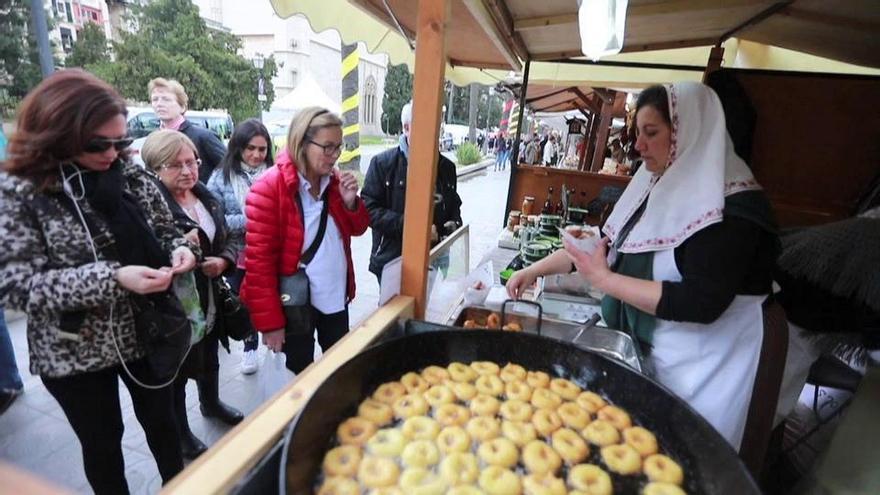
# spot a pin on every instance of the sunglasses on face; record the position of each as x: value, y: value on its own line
x: 251, y: 147
x: 329, y: 149
x: 99, y: 145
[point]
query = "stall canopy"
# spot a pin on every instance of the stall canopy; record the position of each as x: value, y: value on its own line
x: 486, y: 39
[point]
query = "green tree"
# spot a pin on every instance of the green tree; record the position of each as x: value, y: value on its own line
x: 172, y: 41
x: 398, y: 92
x: 19, y: 61
x: 90, y: 47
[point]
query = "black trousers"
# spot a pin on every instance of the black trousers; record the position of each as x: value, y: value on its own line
x: 91, y: 403
x: 300, y: 348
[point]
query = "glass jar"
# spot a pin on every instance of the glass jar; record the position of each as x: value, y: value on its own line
x: 527, y: 203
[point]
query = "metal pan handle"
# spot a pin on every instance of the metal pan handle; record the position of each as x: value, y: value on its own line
x: 520, y: 301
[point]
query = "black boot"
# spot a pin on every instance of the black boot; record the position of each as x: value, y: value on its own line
x: 209, y: 399
x: 190, y: 445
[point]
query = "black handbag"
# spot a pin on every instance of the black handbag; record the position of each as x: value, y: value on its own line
x: 163, y: 328
x: 233, y: 315
x: 294, y: 289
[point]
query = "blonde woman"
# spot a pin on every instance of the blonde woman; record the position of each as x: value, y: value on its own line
x: 197, y: 213
x: 283, y: 210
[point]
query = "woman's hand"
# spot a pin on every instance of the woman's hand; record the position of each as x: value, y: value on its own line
x: 348, y: 189
x: 274, y: 339
x: 214, y: 266
x: 192, y: 236
x: 593, y: 267
x: 143, y: 279
x: 182, y: 260
x: 519, y: 282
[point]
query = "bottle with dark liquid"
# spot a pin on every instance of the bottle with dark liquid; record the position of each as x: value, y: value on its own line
x: 584, y: 202
x: 548, y: 204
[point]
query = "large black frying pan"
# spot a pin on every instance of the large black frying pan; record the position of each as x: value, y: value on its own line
x: 710, y: 464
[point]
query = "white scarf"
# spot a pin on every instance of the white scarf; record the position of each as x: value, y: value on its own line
x: 241, y: 183
x: 689, y: 195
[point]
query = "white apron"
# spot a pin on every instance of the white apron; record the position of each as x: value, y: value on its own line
x: 711, y: 367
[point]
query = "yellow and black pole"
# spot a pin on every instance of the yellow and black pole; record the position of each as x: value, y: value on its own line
x: 351, y: 154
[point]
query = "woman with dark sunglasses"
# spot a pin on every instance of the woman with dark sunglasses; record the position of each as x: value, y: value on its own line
x: 83, y: 230
x: 284, y: 213
x: 249, y: 156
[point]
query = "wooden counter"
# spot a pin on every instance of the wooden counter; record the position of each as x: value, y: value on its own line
x: 227, y: 461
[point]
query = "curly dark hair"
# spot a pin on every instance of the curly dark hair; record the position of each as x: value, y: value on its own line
x: 55, y: 121
x: 242, y: 135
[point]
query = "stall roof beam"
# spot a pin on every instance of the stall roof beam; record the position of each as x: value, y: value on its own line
x: 545, y: 95
x: 633, y: 65
x: 594, y: 108
x: 501, y: 40
x: 756, y: 19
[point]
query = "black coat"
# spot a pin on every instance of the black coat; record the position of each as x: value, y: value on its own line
x: 384, y: 195
x: 210, y: 147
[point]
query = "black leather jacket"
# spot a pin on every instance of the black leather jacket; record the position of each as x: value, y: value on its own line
x: 210, y: 147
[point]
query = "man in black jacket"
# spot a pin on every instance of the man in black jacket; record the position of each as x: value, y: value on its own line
x: 169, y: 100
x: 384, y: 195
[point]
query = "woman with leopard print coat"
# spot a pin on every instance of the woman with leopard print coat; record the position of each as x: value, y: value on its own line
x: 65, y: 164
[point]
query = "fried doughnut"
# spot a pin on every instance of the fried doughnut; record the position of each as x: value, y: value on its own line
x: 485, y: 368
x: 540, y: 458
x: 410, y: 405
x: 589, y: 478
x: 387, y: 490
x: 377, y: 412
x: 518, y: 390
x: 420, y: 453
x: 570, y: 446
x: 387, y: 442
x: 453, y: 439
x: 493, y: 321
x: 463, y: 391
x: 420, y: 428
x: 461, y: 372
x: 512, y: 373
x: 538, y: 379
x: 435, y: 375
x: 485, y: 405
x: 640, y: 439
x: 564, y: 388
x: 338, y: 485
x: 459, y: 468
x: 518, y: 433
x: 660, y: 468
x: 470, y: 324
x: 496, y: 480
x: 489, y: 385
x: 483, y: 428
x: 591, y: 402
x: 658, y: 488
x: 355, y: 431
x: 465, y: 490
x: 516, y: 410
x: 388, y: 393
x: 601, y: 433
x: 452, y: 414
x: 545, y: 484
x: 616, y: 416
x: 546, y: 421
x: 342, y: 461
x: 376, y: 472
x: 414, y: 383
x: 573, y: 416
x: 544, y: 398
x: 512, y: 327
x: 499, y: 452
x: 420, y: 481
x: 439, y: 394
x: 621, y: 459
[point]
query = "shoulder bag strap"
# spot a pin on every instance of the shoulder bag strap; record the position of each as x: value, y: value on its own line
x: 316, y: 243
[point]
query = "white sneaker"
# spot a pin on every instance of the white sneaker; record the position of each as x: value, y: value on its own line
x: 249, y: 363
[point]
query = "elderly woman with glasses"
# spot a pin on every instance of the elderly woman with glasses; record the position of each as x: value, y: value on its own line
x: 284, y: 213
x: 197, y: 213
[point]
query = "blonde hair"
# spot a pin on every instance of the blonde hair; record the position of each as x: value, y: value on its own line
x: 304, y: 126
x: 162, y: 147
x: 169, y: 85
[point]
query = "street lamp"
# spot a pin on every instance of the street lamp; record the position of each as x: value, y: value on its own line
x: 259, y: 62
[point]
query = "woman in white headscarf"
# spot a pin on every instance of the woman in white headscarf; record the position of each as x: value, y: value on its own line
x: 692, y: 243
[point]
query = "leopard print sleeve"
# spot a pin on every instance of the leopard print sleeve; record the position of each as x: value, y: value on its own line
x: 45, y: 261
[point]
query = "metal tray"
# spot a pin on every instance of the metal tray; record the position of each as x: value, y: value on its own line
x: 611, y: 343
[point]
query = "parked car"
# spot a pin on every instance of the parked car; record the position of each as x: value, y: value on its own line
x: 143, y: 120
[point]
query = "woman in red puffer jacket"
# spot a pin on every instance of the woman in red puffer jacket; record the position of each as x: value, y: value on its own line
x: 279, y: 232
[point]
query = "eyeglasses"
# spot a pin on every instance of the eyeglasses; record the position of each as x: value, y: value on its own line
x: 100, y: 145
x: 178, y: 167
x: 251, y: 147
x: 329, y: 149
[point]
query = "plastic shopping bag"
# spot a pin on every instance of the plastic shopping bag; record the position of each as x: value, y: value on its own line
x: 273, y: 375
x: 185, y: 289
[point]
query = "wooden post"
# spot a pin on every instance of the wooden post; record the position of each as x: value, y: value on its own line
x: 602, y: 134
x: 716, y: 56
x: 591, y: 144
x: 422, y: 170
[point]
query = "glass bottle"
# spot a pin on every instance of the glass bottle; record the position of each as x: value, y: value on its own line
x: 548, y: 204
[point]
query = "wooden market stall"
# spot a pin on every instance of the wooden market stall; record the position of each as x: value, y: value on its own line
x: 815, y: 145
